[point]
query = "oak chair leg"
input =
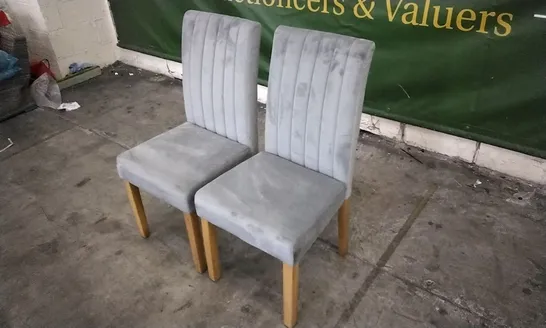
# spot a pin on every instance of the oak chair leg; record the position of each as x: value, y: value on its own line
x: 343, y: 228
x: 211, y: 249
x: 138, y: 209
x: 290, y: 281
x: 196, y: 241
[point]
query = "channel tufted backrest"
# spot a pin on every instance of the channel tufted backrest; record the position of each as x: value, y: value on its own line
x: 220, y: 63
x: 316, y: 91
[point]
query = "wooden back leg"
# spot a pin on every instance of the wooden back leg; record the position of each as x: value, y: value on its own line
x: 343, y: 228
x: 138, y: 209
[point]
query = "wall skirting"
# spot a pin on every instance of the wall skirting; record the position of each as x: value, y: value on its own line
x: 502, y: 160
x: 506, y: 161
x: 150, y: 63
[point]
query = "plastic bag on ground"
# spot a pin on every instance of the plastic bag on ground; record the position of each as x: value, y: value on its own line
x: 45, y: 92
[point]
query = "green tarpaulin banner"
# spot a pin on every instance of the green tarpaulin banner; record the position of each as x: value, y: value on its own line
x: 472, y: 68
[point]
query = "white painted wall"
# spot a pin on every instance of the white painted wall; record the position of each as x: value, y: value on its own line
x: 66, y: 31
x: 80, y: 31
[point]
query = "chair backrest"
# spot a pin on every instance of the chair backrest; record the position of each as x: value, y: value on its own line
x: 220, y: 69
x: 316, y: 91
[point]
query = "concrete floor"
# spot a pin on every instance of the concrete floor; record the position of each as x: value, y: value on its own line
x: 429, y: 246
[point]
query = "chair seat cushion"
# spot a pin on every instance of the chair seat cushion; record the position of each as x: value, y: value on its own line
x: 175, y: 164
x: 273, y: 204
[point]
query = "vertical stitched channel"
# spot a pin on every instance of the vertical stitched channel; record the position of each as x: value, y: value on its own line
x: 233, y: 86
x: 215, y: 129
x: 308, y: 98
x: 323, y: 99
x: 278, y: 109
x: 188, y: 79
x: 338, y: 110
x: 202, y: 63
x: 294, y: 97
x: 224, y: 68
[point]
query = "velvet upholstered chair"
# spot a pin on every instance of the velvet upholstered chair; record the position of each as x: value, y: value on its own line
x: 220, y: 62
x: 280, y: 200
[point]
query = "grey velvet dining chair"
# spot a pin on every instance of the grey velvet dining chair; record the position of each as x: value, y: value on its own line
x: 220, y: 63
x: 281, y: 199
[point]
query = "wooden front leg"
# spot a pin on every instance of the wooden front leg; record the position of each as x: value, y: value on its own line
x: 196, y: 241
x: 211, y: 249
x: 290, y: 281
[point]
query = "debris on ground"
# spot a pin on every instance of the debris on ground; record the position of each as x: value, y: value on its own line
x: 76, y: 67
x: 158, y: 78
x: 441, y: 310
x: 410, y: 155
x: 10, y: 144
x: 477, y: 183
x: 69, y: 106
x: 521, y: 198
x: 122, y: 71
x: 429, y: 283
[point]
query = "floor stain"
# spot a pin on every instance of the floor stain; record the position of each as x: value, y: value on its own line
x: 102, y: 219
x: 83, y: 182
x: 73, y: 218
x: 51, y: 247
x: 185, y: 306
x: 107, y: 226
x: 434, y: 264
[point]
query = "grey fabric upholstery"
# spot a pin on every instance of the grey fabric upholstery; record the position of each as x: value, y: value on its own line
x: 175, y: 164
x: 220, y: 61
x: 273, y: 204
x: 316, y: 93
x: 282, y: 199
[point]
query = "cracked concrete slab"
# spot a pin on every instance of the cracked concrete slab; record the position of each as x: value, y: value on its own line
x: 481, y: 252
x: 392, y: 302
